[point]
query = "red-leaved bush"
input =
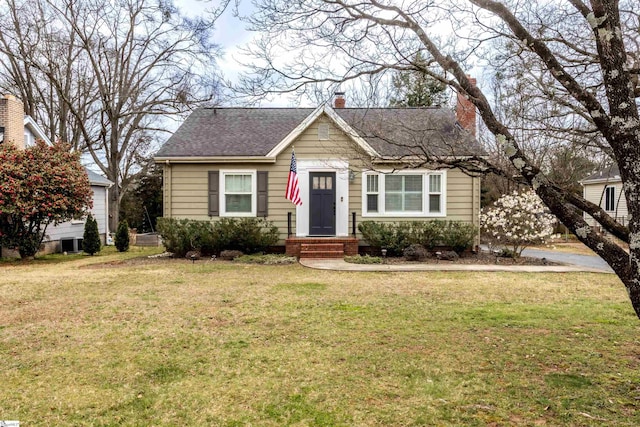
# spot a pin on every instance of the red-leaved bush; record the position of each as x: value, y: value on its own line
x: 40, y: 185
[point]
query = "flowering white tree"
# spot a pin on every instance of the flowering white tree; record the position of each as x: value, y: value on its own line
x: 518, y: 220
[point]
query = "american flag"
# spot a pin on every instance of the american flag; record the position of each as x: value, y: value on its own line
x: 293, y: 190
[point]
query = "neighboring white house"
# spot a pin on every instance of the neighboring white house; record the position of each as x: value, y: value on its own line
x: 604, y: 188
x: 33, y: 132
x: 66, y: 236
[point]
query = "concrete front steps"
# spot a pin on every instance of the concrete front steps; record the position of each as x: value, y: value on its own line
x: 321, y: 247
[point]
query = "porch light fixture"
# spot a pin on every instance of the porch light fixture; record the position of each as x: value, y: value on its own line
x: 352, y: 176
x: 1, y: 134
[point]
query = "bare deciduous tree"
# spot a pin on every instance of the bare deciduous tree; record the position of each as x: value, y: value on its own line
x: 106, y: 75
x: 573, y: 66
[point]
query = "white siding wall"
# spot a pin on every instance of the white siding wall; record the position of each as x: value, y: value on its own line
x: 76, y: 228
x: 595, y: 194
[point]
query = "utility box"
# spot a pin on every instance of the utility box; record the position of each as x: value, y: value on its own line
x: 71, y: 244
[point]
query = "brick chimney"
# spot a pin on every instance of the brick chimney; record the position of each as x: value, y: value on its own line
x: 12, y: 120
x: 339, y: 101
x: 466, y: 111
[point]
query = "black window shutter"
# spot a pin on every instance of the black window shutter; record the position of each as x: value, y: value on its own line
x: 263, y: 194
x: 214, y: 193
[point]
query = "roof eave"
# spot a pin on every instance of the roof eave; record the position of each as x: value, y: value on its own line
x: 214, y: 159
x: 408, y: 159
x: 35, y: 129
x: 609, y: 180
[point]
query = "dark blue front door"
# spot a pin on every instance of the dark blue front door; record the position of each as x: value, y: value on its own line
x: 322, y: 204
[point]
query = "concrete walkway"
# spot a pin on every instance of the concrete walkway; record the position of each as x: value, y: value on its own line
x: 341, y: 265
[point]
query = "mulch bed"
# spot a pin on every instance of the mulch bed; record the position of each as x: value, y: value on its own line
x: 476, y: 258
x: 466, y: 258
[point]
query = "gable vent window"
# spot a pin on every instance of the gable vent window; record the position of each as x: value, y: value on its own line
x: 323, y: 131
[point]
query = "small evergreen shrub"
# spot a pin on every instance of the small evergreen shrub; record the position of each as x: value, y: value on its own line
x: 91, y: 238
x: 459, y: 236
x: 428, y: 233
x: 247, y: 235
x: 396, y: 237
x: 122, y: 237
x: 393, y: 237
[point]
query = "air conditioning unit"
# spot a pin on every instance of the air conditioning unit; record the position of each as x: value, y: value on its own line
x: 71, y: 244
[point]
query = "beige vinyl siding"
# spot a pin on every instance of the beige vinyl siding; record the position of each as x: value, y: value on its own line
x: 186, y: 192
x: 595, y: 194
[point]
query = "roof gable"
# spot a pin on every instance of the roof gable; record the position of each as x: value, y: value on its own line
x: 337, y: 120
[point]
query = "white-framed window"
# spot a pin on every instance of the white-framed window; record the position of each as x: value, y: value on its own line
x: 371, y: 193
x: 415, y: 193
x: 435, y: 193
x: 238, y: 193
x: 610, y: 198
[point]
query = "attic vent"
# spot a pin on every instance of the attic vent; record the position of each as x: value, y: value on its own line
x: 323, y: 131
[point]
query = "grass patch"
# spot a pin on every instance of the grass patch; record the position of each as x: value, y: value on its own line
x: 134, y: 341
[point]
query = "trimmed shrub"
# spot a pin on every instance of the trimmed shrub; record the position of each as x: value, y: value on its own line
x: 122, y: 237
x: 459, y: 236
x: 247, y: 235
x: 91, y: 238
x: 396, y: 237
x: 393, y: 237
x: 430, y: 233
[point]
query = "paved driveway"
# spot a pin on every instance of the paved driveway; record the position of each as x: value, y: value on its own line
x: 591, y: 261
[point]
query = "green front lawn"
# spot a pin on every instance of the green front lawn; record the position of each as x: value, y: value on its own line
x: 98, y: 341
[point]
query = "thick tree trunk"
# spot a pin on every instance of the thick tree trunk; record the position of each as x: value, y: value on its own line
x: 114, y: 208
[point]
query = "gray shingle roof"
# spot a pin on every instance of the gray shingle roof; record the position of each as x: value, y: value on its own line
x: 397, y: 132
x: 222, y: 132
x: 96, y: 179
x: 610, y: 173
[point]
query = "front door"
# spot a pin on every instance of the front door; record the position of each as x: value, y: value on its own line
x: 322, y: 204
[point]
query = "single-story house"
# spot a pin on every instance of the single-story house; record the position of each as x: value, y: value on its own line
x: 20, y: 129
x: 353, y: 164
x: 604, y: 188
